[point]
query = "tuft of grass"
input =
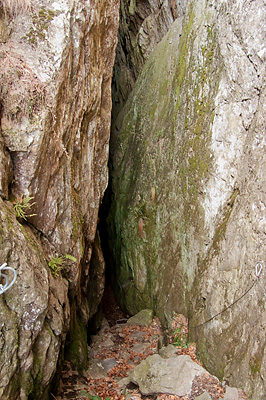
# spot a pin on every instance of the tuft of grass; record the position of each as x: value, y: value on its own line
x: 22, y: 205
x: 56, y: 264
x: 14, y: 7
x: 180, y: 338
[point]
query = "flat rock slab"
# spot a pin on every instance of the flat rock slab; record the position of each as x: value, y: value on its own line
x: 140, y: 336
x: 142, y: 318
x: 204, y: 396
x: 231, y: 394
x: 140, y: 348
x: 96, y: 370
x: 109, y: 364
x: 168, y: 351
x: 173, y: 375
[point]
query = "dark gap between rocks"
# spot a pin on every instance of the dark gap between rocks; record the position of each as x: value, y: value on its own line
x: 110, y: 306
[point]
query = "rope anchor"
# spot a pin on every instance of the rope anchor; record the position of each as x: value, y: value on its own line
x: 6, y: 285
x: 258, y: 268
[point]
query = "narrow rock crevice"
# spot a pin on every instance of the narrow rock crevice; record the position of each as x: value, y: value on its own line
x: 142, y: 26
x: 186, y: 191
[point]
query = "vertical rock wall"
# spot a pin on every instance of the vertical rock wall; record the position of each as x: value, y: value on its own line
x: 142, y: 25
x: 56, y: 64
x: 187, y: 220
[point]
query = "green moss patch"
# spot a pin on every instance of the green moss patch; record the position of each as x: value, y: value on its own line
x: 77, y: 349
x: 160, y: 149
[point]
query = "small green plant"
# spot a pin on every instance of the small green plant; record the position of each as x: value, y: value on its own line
x: 180, y: 338
x: 22, y: 205
x: 56, y: 263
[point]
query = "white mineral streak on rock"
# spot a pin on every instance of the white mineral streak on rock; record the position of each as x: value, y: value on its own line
x: 235, y: 107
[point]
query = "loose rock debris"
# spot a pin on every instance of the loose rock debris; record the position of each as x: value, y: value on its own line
x: 116, y: 350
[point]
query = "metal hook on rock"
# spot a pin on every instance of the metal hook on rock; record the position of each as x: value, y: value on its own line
x: 259, y: 268
x: 4, y: 287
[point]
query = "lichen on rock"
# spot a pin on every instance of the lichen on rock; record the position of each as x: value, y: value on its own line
x: 187, y: 155
x: 157, y: 143
x: 55, y: 98
x: 142, y: 25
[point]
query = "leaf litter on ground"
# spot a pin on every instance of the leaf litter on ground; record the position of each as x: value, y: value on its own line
x: 131, y: 345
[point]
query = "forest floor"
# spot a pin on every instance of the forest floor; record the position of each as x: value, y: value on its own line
x: 120, y: 347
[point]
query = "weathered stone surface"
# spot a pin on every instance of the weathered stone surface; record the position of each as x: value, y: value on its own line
x: 96, y: 370
x: 96, y: 279
x: 203, y: 396
x: 142, y: 25
x: 174, y: 375
x: 5, y: 170
x: 55, y: 97
x: 142, y: 208
x: 109, y: 364
x: 168, y: 351
x: 188, y: 209
x: 142, y: 318
x: 34, y: 313
x: 231, y: 394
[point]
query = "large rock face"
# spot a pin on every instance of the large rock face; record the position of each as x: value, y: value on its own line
x: 55, y: 96
x: 143, y: 23
x: 187, y: 219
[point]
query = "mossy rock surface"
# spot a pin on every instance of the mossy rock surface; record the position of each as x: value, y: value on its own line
x: 187, y: 220
x: 161, y: 154
x: 77, y: 350
x: 142, y: 318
